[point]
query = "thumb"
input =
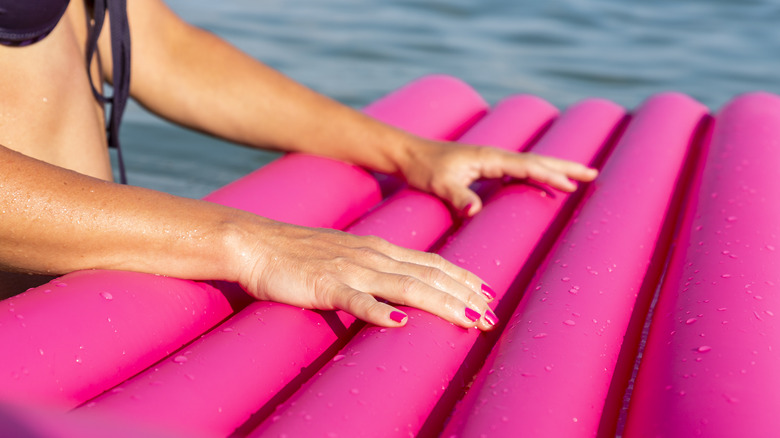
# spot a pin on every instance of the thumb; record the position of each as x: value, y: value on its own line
x: 466, y: 202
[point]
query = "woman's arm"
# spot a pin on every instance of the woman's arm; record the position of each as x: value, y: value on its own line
x: 56, y: 221
x: 194, y: 78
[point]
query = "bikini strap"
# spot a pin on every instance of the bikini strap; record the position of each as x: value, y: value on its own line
x: 120, y: 57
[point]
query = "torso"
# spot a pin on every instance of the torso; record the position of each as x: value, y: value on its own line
x: 47, y: 109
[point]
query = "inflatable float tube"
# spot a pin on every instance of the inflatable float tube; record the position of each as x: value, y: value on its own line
x: 550, y: 372
x: 700, y: 385
x: 119, y: 323
x: 218, y: 382
x: 711, y: 364
x: 387, y: 382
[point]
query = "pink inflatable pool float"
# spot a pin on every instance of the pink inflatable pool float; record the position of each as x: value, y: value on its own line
x: 685, y: 213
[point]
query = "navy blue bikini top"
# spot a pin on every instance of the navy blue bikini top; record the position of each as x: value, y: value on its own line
x: 24, y: 22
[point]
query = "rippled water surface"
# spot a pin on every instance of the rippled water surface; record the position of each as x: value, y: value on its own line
x: 357, y: 50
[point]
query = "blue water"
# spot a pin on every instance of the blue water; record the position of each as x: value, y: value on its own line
x: 357, y: 50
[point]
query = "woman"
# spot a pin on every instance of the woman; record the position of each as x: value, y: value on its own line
x: 61, y: 213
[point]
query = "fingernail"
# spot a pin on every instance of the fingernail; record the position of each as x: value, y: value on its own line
x: 466, y: 210
x: 397, y: 316
x: 488, y: 292
x: 491, y: 317
x: 472, y: 314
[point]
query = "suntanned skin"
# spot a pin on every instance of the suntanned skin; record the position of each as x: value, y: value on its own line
x: 60, y: 213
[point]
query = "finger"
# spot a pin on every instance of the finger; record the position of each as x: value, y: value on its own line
x: 550, y: 171
x: 366, y: 308
x: 570, y: 169
x: 431, y: 260
x: 407, y: 290
x: 464, y: 200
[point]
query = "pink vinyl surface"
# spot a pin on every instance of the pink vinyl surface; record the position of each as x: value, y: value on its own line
x: 711, y: 363
x: 120, y: 323
x: 551, y: 370
x: 386, y: 382
x: 573, y: 279
x: 216, y: 383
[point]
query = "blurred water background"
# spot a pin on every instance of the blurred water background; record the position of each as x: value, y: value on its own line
x: 561, y: 50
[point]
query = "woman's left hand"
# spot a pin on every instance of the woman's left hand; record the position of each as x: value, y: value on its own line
x: 448, y: 169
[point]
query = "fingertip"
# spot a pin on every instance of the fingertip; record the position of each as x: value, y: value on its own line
x: 590, y: 174
x: 399, y: 318
x: 491, y: 319
x: 470, y: 209
x: 488, y: 292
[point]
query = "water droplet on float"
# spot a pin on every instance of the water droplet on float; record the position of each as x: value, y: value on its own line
x: 704, y: 349
x: 338, y: 357
x: 180, y: 358
x: 691, y: 321
x: 354, y: 391
x: 540, y: 335
x: 569, y: 322
x: 731, y: 219
x: 107, y: 296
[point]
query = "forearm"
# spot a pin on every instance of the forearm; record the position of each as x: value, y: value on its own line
x: 56, y: 221
x: 196, y: 79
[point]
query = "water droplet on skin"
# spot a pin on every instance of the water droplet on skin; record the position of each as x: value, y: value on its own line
x: 180, y: 358
x: 107, y: 296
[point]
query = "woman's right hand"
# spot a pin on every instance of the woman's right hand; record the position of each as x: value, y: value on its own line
x: 364, y: 276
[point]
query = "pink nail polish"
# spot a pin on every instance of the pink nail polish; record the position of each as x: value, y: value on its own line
x: 488, y: 292
x: 491, y: 317
x: 472, y: 314
x: 397, y: 316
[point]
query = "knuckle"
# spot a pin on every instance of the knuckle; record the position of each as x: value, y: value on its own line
x: 407, y: 285
x: 434, y: 276
x: 356, y: 301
